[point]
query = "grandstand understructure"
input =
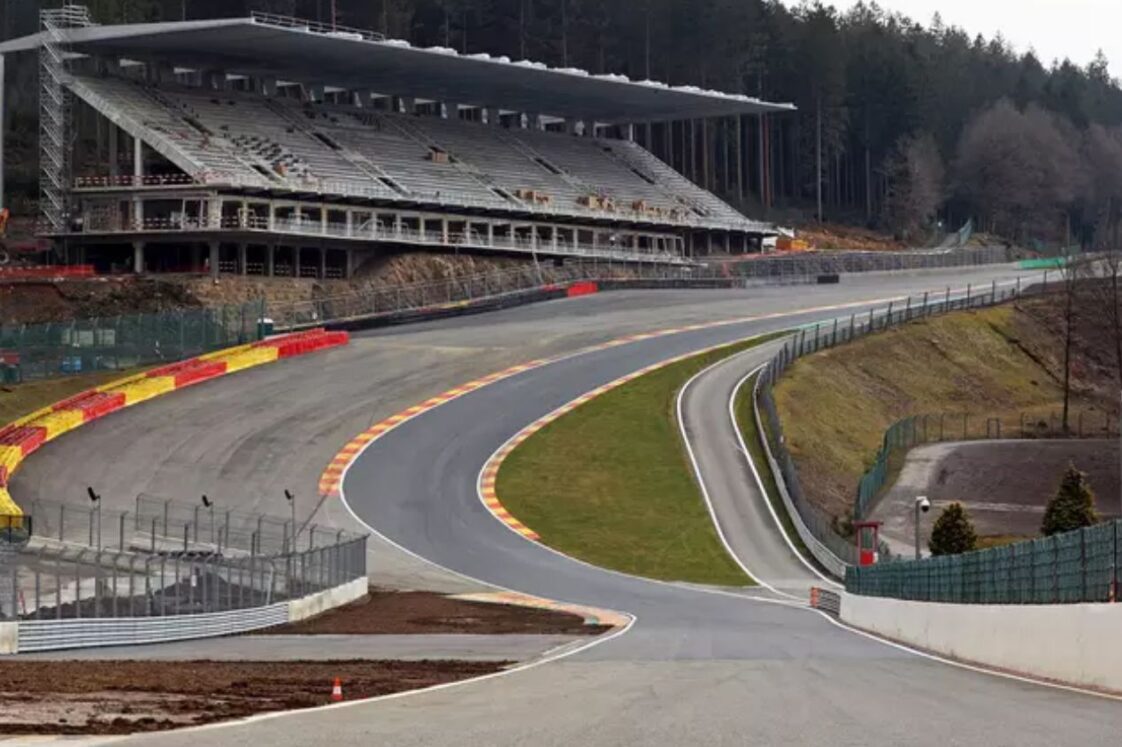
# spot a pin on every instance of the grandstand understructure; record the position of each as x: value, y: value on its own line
x: 272, y: 146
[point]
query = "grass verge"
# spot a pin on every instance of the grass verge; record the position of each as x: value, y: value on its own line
x: 17, y: 400
x: 610, y: 483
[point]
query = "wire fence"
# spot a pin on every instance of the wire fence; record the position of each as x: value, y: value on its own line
x: 49, y: 582
x: 794, y: 269
x: 165, y: 558
x: 1079, y: 566
x: 35, y: 351
x: 159, y: 525
x: 917, y: 430
x: 834, y: 533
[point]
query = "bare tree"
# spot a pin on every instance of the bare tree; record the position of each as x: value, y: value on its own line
x: 915, y: 185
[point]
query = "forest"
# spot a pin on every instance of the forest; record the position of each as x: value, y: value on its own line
x: 902, y: 124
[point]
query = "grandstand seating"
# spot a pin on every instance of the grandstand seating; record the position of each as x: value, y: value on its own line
x: 225, y: 137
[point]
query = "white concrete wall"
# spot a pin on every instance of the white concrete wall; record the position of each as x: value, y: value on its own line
x: 9, y: 637
x: 299, y: 609
x: 1079, y: 644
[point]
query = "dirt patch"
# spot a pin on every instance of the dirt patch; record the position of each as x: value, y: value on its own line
x: 118, y: 697
x: 425, y: 612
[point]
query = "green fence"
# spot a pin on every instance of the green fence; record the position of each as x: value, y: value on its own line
x: 917, y: 430
x: 36, y: 351
x: 1079, y: 566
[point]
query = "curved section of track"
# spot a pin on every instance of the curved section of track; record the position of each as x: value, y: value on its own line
x: 699, y: 666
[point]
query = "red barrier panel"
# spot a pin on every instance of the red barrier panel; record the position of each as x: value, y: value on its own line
x: 584, y: 288
x: 93, y: 404
x: 28, y: 438
x: 190, y: 371
x: 306, y: 342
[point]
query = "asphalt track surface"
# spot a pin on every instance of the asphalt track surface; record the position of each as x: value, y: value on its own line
x: 698, y: 666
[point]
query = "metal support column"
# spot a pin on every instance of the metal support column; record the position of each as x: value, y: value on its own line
x: 214, y: 257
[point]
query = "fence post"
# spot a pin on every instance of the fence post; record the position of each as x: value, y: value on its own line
x: 926, y: 309
x: 947, y: 302
x: 888, y: 316
x: 968, y: 288
x: 852, y: 323
x: 1083, y: 563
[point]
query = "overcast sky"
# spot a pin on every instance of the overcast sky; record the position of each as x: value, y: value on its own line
x: 1054, y: 28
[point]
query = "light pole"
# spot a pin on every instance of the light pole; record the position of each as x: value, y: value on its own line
x: 922, y: 506
x: 96, y: 499
x: 288, y: 496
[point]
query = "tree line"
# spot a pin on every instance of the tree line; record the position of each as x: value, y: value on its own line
x: 901, y: 123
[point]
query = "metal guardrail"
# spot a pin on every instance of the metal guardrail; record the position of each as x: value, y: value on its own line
x: 829, y: 531
x: 1080, y: 566
x: 917, y: 430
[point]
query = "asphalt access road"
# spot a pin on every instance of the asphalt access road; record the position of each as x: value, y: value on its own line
x: 243, y: 439
x: 698, y: 666
x: 746, y: 522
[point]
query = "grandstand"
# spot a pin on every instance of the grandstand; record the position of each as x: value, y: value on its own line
x: 274, y: 146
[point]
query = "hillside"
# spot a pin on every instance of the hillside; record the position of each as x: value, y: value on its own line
x: 1004, y: 361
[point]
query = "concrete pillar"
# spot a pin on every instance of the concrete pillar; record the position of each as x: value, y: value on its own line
x: 322, y: 263
x: 629, y: 132
x: 350, y: 266
x: 270, y: 259
x: 444, y: 231
x: 315, y: 92
x: 570, y: 126
x: 114, y: 139
x: 268, y: 86
x: 243, y: 252
x: 740, y: 158
x: 138, y: 257
x: 408, y: 105
x: 214, y: 257
x: 137, y: 178
x: 534, y: 121
x: 494, y: 116
x: 296, y: 261
x: 490, y: 234
x: 362, y: 98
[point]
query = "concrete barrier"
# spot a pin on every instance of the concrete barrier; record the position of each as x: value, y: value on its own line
x: 309, y: 606
x: 1077, y: 644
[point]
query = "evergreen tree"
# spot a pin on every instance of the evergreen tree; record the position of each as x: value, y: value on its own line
x: 1073, y: 507
x: 953, y: 532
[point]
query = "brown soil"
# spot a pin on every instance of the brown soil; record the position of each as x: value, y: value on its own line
x: 117, y: 697
x: 425, y: 612
x: 29, y: 302
x: 848, y: 238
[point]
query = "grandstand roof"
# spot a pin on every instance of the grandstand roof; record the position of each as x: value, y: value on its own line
x: 298, y: 51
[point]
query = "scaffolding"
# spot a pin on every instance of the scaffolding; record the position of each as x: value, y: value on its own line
x: 54, y: 114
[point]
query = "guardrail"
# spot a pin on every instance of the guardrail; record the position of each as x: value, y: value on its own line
x: 826, y: 536
x: 1080, y: 566
x: 917, y: 430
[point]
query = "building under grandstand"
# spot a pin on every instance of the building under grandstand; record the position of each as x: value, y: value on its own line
x: 275, y: 146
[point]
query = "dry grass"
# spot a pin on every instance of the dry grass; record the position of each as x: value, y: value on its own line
x: 836, y: 405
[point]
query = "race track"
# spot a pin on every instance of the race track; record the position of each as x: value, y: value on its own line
x: 698, y: 666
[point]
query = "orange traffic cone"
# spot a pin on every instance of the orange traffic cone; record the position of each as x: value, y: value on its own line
x: 337, y: 691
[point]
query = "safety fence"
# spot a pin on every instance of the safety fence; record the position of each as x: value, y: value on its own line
x: 159, y: 525
x: 917, y: 430
x: 828, y: 536
x: 474, y: 288
x: 51, y: 582
x: 33, y: 351
x: 1079, y: 566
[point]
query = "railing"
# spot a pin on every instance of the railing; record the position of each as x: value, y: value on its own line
x: 57, y: 583
x: 917, y: 430
x: 114, y: 343
x: 827, y: 534
x: 1080, y: 566
x: 301, y: 24
x: 626, y: 273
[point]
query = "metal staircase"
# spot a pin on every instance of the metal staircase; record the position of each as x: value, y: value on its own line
x: 55, y: 132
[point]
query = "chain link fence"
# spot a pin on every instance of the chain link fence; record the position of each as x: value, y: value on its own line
x: 35, y: 351
x: 834, y: 533
x: 165, y: 558
x: 917, y: 430
x: 1079, y: 566
x: 794, y: 269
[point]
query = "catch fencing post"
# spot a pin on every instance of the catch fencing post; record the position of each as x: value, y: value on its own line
x: 926, y: 310
x: 947, y: 302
